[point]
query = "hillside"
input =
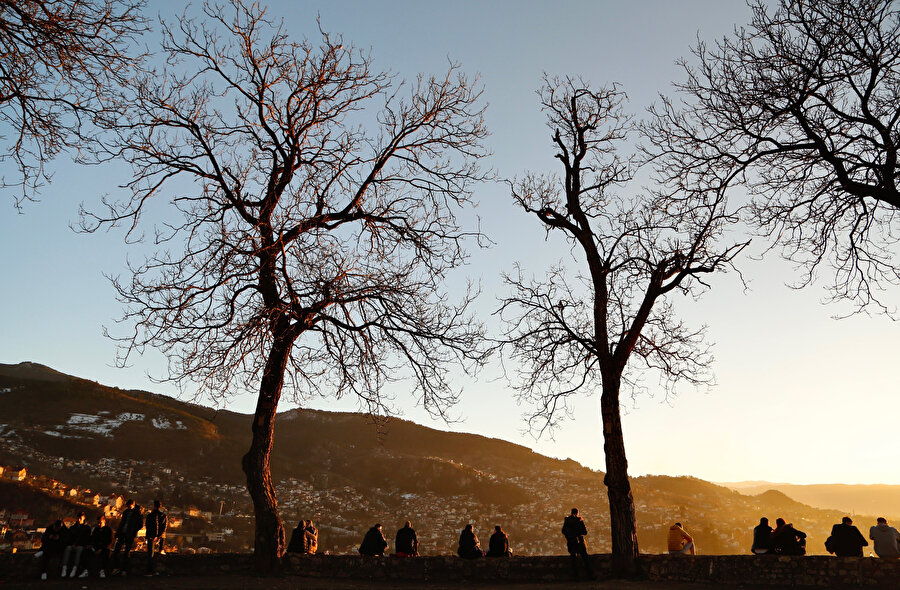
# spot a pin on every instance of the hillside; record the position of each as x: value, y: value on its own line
x: 81, y: 419
x: 345, y: 473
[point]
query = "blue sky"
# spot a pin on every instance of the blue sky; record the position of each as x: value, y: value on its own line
x: 800, y: 397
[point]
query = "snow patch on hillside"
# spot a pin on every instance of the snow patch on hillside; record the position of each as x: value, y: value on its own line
x: 131, y: 417
x: 58, y: 434
x: 96, y: 424
x: 163, y: 423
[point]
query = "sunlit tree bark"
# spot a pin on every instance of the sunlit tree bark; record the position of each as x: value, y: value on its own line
x: 312, y: 222
x: 597, y: 327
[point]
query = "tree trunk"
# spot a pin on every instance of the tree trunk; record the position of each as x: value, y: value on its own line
x: 618, y: 487
x: 269, y: 543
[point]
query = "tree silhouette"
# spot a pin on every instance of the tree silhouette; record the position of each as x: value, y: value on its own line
x: 315, y: 206
x: 58, y: 60
x: 803, y: 109
x: 575, y: 331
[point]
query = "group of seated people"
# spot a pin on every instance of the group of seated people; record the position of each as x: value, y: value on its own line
x: 406, y: 543
x: 784, y: 539
x: 469, y: 547
x: 845, y: 539
x: 304, y: 539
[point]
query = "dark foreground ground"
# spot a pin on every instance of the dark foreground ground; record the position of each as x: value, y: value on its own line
x: 299, y: 583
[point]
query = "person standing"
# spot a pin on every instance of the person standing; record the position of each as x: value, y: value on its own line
x: 498, y: 546
x: 101, y: 541
x: 762, y: 537
x: 679, y: 541
x: 886, y: 539
x: 406, y: 543
x: 846, y: 540
x: 574, y: 531
x: 131, y: 523
x: 156, y: 527
x: 77, y: 538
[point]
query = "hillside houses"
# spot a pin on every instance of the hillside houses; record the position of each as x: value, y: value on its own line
x: 14, y: 474
x: 19, y: 529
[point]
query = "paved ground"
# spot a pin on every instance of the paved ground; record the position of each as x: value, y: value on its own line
x: 299, y: 583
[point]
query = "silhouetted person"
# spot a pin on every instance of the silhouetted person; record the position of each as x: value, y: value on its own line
x: 574, y: 531
x: 156, y: 527
x: 101, y: 541
x: 297, y: 543
x: 53, y: 542
x: 786, y: 540
x: 886, y: 539
x: 498, y: 546
x: 469, y: 548
x: 762, y: 537
x: 311, y: 538
x: 131, y: 523
x: 78, y: 536
x: 406, y: 543
x: 374, y: 542
x: 846, y: 540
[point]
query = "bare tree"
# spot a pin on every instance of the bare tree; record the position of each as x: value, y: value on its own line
x: 575, y: 331
x: 803, y: 108
x: 59, y: 58
x: 314, y: 230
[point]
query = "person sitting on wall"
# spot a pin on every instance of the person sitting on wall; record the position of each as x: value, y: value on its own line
x: 469, y: 547
x: 101, y: 542
x: 311, y: 538
x: 786, y: 540
x: 498, y: 546
x: 886, y: 539
x: 679, y: 542
x: 762, y: 537
x: 53, y: 542
x: 298, y: 539
x: 78, y: 537
x: 846, y: 540
x: 374, y: 542
x: 406, y: 543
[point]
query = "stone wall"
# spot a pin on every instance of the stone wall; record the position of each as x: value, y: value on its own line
x: 814, y: 571
x: 818, y: 571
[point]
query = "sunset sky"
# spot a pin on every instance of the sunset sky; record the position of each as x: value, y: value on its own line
x: 800, y: 397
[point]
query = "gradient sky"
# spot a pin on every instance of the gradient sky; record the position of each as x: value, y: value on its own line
x: 800, y: 397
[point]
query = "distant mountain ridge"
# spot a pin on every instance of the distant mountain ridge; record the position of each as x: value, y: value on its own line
x: 879, y: 499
